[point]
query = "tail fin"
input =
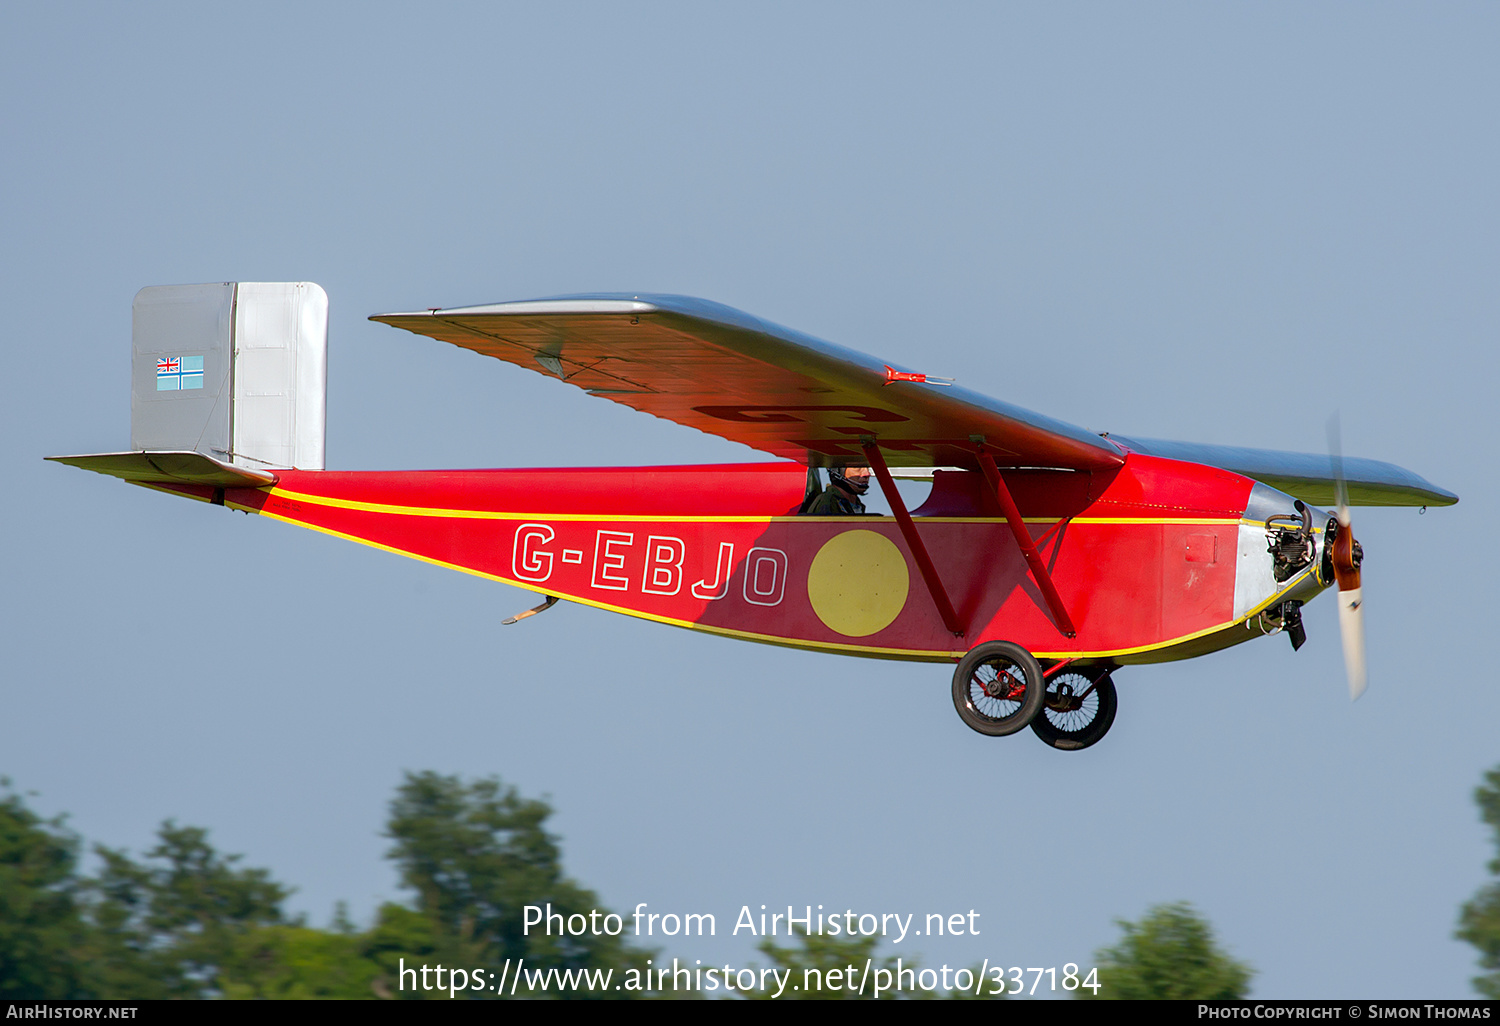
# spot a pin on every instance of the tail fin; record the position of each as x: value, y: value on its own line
x: 230, y: 375
x: 236, y: 371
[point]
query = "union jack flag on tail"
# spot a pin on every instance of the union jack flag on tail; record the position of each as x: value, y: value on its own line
x: 177, y: 373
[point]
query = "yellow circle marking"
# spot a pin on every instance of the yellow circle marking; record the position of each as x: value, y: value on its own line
x: 858, y: 583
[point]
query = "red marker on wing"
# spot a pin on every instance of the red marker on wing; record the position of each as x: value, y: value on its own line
x: 892, y: 375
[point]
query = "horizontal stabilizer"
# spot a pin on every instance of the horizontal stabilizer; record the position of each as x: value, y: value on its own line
x: 183, y: 467
x: 1306, y: 476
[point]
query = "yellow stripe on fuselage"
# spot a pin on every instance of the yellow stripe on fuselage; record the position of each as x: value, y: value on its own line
x: 479, y: 514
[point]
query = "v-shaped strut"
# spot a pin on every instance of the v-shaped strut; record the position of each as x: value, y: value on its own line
x: 1028, y: 547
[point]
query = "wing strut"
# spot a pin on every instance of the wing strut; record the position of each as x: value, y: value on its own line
x: 913, y: 540
x: 1028, y: 547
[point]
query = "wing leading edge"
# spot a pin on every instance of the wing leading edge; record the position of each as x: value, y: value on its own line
x: 730, y: 374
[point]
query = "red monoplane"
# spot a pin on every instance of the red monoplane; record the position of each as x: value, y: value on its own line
x: 1044, y: 558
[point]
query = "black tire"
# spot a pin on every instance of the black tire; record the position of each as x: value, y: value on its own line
x: 998, y: 688
x: 1070, y: 724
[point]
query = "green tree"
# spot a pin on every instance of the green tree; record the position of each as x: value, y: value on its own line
x: 40, y: 927
x: 292, y: 961
x: 170, y: 926
x: 1479, y: 921
x: 476, y: 854
x: 188, y: 922
x: 1170, y: 954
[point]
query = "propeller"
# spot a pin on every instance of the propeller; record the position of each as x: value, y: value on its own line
x: 1346, y: 558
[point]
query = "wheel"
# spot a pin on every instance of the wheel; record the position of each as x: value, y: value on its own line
x: 998, y: 688
x: 1079, y: 710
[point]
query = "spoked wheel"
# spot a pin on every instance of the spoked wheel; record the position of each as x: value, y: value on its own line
x: 998, y: 688
x: 1079, y: 709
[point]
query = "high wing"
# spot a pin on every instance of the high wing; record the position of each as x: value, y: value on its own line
x: 730, y: 374
x: 725, y: 372
x: 1304, y: 475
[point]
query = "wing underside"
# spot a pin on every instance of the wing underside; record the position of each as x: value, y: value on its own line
x: 724, y: 372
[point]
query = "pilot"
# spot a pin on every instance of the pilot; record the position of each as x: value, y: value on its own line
x: 842, y: 496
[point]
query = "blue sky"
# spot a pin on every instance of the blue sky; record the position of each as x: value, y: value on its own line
x: 1205, y: 222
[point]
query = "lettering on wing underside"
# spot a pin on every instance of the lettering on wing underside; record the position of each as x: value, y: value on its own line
x: 784, y: 414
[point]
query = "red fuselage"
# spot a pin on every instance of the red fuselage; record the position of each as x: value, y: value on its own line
x: 1146, y: 558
